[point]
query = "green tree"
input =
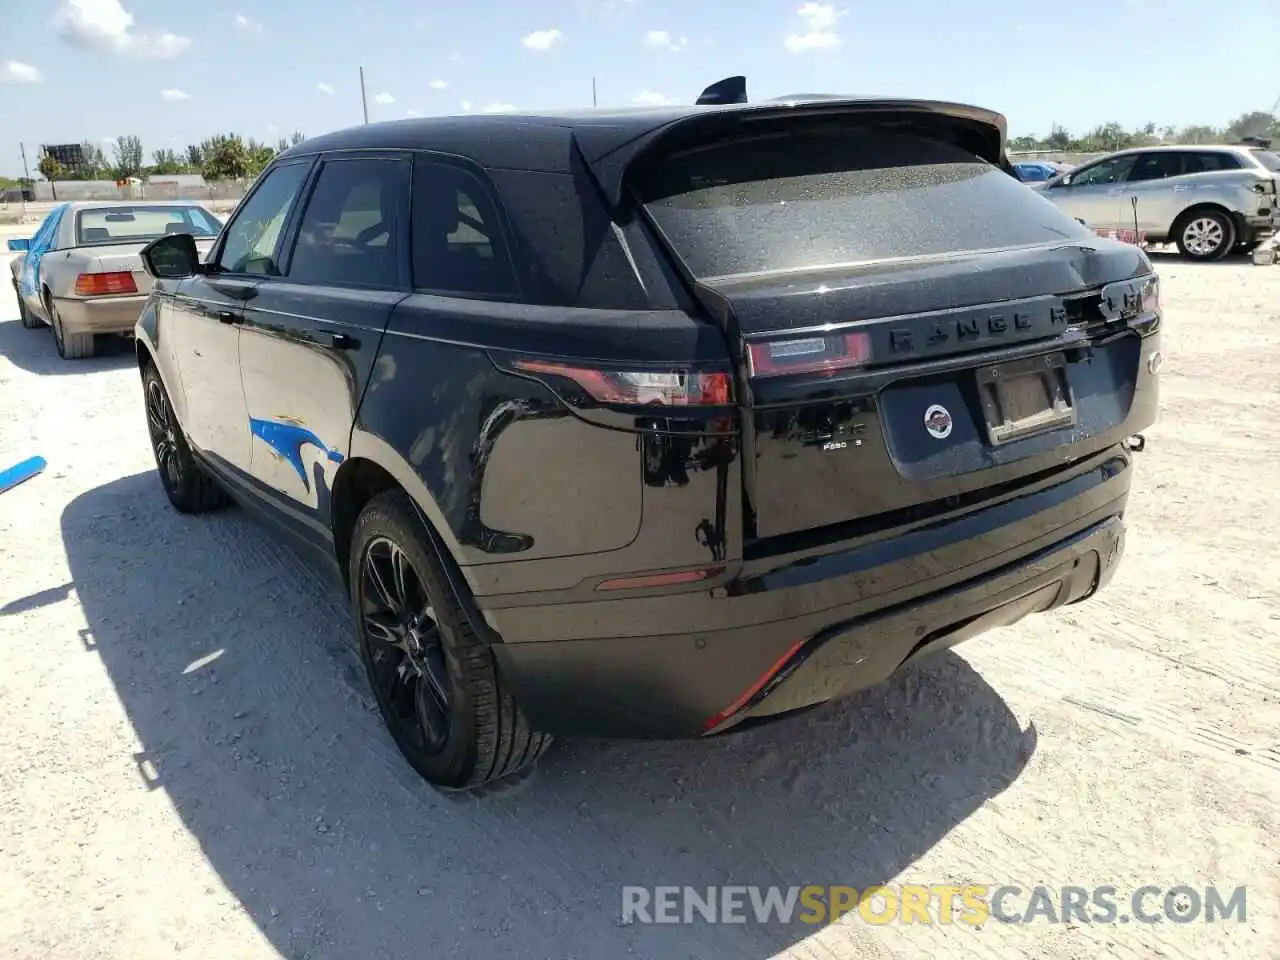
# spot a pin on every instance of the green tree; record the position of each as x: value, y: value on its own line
x: 226, y: 157
x: 50, y: 168
x: 195, y: 157
x: 128, y: 151
x: 167, y: 162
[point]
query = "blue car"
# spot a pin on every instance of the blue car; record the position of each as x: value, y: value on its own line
x: 1032, y: 171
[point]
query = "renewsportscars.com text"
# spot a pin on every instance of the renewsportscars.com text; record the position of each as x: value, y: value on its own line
x: 941, y: 904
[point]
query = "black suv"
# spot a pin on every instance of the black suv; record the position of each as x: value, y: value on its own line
x: 657, y: 423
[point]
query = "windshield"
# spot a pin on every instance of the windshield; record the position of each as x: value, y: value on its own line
x: 812, y: 200
x: 126, y: 224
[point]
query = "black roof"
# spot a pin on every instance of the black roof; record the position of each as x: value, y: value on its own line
x: 608, y: 139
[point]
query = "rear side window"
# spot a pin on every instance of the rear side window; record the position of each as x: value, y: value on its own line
x: 1210, y: 161
x: 1158, y: 166
x: 458, y: 244
x: 350, y: 232
x: 811, y: 200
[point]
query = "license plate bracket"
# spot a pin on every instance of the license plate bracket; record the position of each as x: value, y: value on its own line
x: 1024, y: 398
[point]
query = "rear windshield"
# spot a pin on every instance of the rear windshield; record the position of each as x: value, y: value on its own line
x: 1268, y: 159
x: 125, y: 224
x: 810, y: 200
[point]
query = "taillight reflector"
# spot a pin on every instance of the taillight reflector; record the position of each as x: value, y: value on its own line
x: 648, y: 581
x: 104, y: 284
x: 673, y: 389
x: 822, y: 354
x: 751, y: 691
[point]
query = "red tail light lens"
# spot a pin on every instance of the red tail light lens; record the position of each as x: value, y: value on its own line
x: 636, y: 388
x: 105, y: 284
x: 830, y: 354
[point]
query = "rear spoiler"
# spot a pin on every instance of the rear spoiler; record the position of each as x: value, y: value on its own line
x: 723, y: 109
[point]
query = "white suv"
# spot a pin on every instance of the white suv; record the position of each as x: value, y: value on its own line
x: 1209, y: 200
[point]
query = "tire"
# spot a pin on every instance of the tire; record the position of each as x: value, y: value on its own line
x: 29, y: 320
x: 435, y: 682
x: 1205, y: 235
x: 71, y: 346
x: 186, y: 483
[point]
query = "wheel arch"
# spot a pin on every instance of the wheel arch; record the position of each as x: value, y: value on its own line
x: 373, y: 468
x: 1204, y: 206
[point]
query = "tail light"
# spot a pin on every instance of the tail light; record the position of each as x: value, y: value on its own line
x: 638, y: 388
x: 829, y: 354
x: 1150, y: 294
x: 105, y: 284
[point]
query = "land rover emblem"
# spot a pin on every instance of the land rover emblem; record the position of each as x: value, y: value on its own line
x: 938, y: 422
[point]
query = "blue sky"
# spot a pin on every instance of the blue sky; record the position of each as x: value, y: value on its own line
x: 173, y: 73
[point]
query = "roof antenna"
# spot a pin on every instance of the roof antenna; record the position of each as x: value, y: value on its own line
x: 728, y: 90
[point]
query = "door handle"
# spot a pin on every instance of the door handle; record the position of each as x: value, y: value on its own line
x: 229, y: 316
x: 339, y: 341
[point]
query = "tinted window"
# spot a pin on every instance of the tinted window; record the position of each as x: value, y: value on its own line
x: 1111, y: 170
x: 1209, y: 161
x: 121, y: 224
x: 351, y: 230
x: 250, y: 245
x: 808, y: 199
x: 1157, y: 166
x: 458, y: 246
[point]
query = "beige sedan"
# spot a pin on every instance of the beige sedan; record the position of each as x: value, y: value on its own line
x: 80, y: 272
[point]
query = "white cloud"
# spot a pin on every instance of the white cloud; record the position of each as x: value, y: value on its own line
x: 648, y: 98
x: 542, y: 39
x: 438, y: 84
x: 245, y: 25
x: 817, y: 23
x: 106, y: 25
x: 497, y: 108
x: 466, y: 106
x: 14, y: 72
x: 173, y: 94
x: 662, y: 40
x: 412, y: 113
x: 384, y: 98
x: 325, y: 88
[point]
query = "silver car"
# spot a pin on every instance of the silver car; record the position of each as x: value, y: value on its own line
x: 80, y: 272
x: 1209, y: 200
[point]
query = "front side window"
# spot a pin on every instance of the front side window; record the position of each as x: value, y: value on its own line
x: 250, y: 245
x: 132, y: 224
x: 458, y: 245
x: 1111, y: 170
x: 351, y: 229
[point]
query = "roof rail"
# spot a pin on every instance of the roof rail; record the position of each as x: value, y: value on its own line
x: 728, y: 90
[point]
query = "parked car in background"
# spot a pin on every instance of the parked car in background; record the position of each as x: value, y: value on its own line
x: 598, y: 449
x: 80, y: 272
x: 1209, y: 200
x: 1035, y: 171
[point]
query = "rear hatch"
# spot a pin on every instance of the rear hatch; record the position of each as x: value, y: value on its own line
x: 913, y: 329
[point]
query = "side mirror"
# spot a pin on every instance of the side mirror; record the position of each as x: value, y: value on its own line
x: 171, y: 257
x: 19, y: 245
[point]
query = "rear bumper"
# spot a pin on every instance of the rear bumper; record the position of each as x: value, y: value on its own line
x: 100, y: 315
x: 810, y: 630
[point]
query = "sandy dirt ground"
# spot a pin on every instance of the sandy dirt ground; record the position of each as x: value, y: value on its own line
x: 190, y: 764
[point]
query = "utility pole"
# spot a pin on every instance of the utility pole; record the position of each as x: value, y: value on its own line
x: 593, y: 92
x: 364, y: 100
x: 27, y: 183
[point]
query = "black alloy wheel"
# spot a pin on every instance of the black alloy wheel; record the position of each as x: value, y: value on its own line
x: 407, y: 663
x: 189, y: 488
